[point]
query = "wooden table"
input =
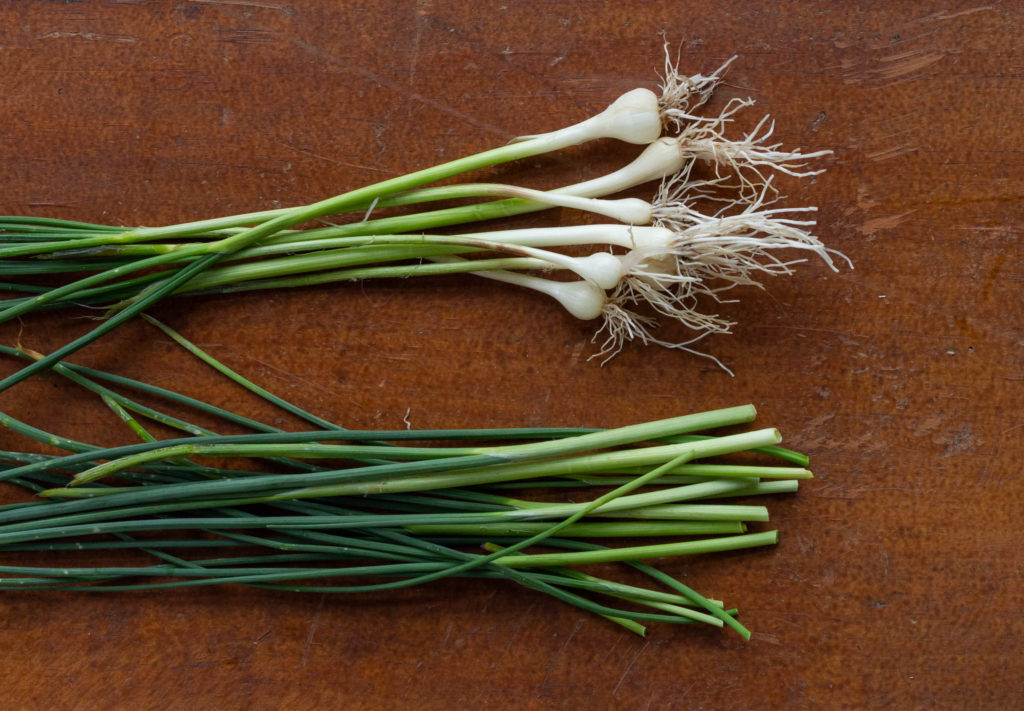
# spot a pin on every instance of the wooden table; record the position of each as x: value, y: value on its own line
x: 897, y: 580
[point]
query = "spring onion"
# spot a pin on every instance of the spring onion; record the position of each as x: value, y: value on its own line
x: 667, y: 256
x: 337, y: 510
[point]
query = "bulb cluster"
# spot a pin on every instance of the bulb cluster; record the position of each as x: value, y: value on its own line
x: 677, y: 260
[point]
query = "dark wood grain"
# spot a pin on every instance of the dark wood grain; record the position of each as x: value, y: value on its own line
x: 897, y: 581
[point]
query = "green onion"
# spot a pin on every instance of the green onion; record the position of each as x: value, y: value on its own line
x: 666, y: 258
x: 405, y: 508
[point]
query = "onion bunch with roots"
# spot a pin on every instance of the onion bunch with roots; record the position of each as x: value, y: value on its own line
x: 670, y: 257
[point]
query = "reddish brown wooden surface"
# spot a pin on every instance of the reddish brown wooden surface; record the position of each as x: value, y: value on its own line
x: 897, y: 581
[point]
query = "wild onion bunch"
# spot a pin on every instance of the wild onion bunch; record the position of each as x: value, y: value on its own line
x: 670, y: 256
x: 336, y: 510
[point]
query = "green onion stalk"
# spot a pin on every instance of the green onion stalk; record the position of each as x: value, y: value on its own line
x: 335, y: 510
x: 666, y: 255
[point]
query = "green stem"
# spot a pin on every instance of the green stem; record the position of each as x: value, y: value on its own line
x: 610, y: 555
x: 583, y: 530
x: 644, y: 456
x: 271, y: 221
x: 263, y: 273
x: 262, y: 444
x: 239, y: 379
x: 230, y: 282
x: 110, y: 324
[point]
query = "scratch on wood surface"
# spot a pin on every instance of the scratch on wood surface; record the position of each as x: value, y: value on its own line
x: 562, y: 53
x: 864, y: 200
x: 882, y: 223
x: 245, y: 36
x: 951, y: 15
x: 1018, y: 426
x: 421, y: 13
x: 561, y: 651
x: 312, y: 630
x: 610, y: 652
x: 308, y: 152
x: 908, y: 31
x: 291, y: 378
x: 91, y: 36
x: 820, y: 420
x: 629, y: 667
x: 907, y: 63
x: 247, y: 3
x: 890, y: 153
x: 893, y: 69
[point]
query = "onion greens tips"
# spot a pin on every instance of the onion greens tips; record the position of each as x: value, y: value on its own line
x: 336, y: 510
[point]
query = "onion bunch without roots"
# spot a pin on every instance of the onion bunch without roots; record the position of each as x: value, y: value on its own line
x: 667, y: 257
x: 336, y: 510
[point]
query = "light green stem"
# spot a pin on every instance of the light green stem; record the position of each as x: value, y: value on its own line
x: 625, y: 529
x: 643, y: 456
x: 611, y: 555
x: 402, y: 271
x: 535, y: 450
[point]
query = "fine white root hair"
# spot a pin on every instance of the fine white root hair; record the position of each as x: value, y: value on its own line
x: 620, y: 326
x: 734, y: 248
x: 663, y: 283
x: 710, y: 254
x: 707, y: 256
x: 750, y: 157
x: 677, y: 193
x: 681, y: 95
